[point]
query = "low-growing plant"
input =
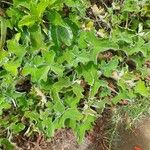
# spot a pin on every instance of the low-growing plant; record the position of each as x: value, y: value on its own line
x: 60, y: 66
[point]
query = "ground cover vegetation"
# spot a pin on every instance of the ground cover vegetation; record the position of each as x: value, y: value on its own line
x: 62, y: 62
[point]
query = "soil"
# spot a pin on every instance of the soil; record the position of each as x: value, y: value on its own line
x: 137, y: 139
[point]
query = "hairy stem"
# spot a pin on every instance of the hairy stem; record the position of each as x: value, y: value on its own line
x: 3, y: 32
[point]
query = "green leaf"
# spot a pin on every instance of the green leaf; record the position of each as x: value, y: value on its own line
x: 71, y: 101
x: 71, y: 113
x: 108, y: 68
x: 12, y: 67
x: 37, y: 43
x: 63, y: 82
x: 58, y: 69
x: 48, y: 127
x: 78, y: 90
x: 37, y: 74
x: 27, y: 20
x: 4, y: 105
x: 141, y: 89
x: 15, y: 48
x: 99, y: 105
x: 18, y: 127
x: 49, y: 56
x: 41, y: 73
x: 94, y: 88
x: 89, y: 72
x: 34, y: 116
x: 6, y: 144
x: 80, y: 56
x: 4, y: 57
x: 55, y: 18
x: 83, y: 127
x: 123, y: 95
x: 37, y: 61
x: 131, y: 6
x: 25, y: 3
x: 82, y: 42
x: 139, y: 46
x: 58, y: 86
x: 59, y: 107
x: 62, y: 35
x: 42, y: 6
x: 97, y: 45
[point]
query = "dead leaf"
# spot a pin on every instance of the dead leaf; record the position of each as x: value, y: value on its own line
x: 97, y: 11
x: 40, y: 93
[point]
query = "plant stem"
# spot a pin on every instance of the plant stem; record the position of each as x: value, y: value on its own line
x: 3, y: 32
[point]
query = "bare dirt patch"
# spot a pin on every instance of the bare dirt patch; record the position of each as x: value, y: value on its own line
x: 137, y: 139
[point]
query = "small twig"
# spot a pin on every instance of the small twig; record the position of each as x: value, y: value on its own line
x: 104, y: 4
x: 126, y: 26
x: 14, y: 103
x: 113, y: 90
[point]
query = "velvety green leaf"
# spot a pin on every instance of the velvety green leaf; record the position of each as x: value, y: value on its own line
x: 37, y: 38
x: 25, y: 3
x: 82, y: 128
x: 47, y: 126
x: 55, y: 18
x: 63, y: 82
x: 12, y: 67
x: 121, y: 96
x: 71, y: 101
x: 37, y: 61
x: 4, y: 57
x: 78, y: 90
x: 72, y: 114
x: 58, y: 69
x: 59, y: 107
x: 18, y: 127
x: 100, y: 105
x: 141, y: 88
x: 62, y: 35
x: 49, y: 56
x: 42, y: 6
x: 34, y: 116
x: 37, y: 74
x: 4, y: 105
x: 89, y: 72
x: 6, y: 143
x: 139, y: 46
x: 16, y: 48
x: 94, y: 88
x: 80, y: 56
x: 27, y: 20
x: 41, y: 73
x: 131, y: 6
x: 58, y: 86
x: 108, y: 68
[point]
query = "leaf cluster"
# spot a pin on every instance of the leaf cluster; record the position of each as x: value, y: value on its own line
x: 59, y: 69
